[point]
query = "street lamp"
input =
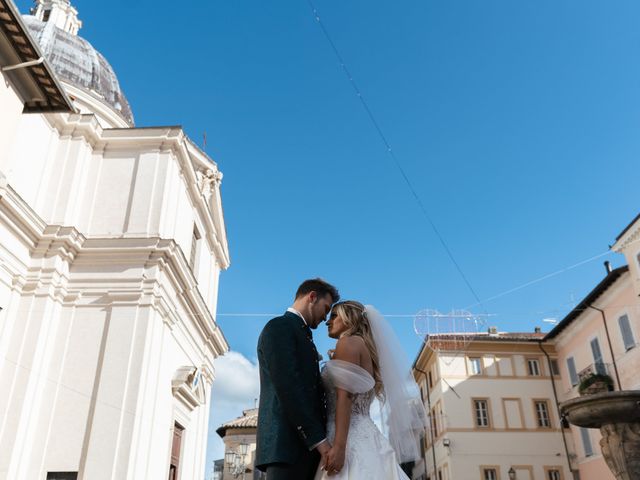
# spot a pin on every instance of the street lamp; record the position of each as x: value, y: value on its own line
x: 235, y: 461
x: 512, y: 474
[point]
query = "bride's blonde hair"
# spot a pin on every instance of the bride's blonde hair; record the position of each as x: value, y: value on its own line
x: 354, y: 317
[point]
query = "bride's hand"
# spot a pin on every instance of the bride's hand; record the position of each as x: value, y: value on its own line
x: 335, y: 460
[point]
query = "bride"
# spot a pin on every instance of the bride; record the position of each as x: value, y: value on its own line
x: 368, y: 363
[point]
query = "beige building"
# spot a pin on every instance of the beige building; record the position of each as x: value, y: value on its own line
x: 600, y: 335
x: 239, y: 437
x: 492, y: 409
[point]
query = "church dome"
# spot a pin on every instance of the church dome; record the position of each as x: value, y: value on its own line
x: 54, y: 26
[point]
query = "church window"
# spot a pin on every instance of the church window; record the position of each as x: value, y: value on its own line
x: 195, y: 247
x: 46, y: 15
x: 176, y: 445
x: 62, y: 475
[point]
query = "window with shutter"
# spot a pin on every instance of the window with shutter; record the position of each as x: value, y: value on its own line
x: 597, y: 357
x: 573, y: 373
x: 586, y: 442
x: 627, y: 333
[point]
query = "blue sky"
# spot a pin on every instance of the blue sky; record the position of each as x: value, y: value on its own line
x: 517, y: 122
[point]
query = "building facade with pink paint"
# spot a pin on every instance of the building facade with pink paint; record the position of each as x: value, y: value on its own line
x: 600, y: 335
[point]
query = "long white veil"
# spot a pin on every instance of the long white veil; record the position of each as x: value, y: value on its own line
x: 402, y: 409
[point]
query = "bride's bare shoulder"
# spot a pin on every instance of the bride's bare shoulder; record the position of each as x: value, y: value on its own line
x: 350, y: 349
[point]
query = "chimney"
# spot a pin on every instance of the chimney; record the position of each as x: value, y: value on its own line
x: 537, y: 330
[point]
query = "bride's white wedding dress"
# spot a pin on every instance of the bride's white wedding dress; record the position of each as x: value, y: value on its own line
x: 368, y: 455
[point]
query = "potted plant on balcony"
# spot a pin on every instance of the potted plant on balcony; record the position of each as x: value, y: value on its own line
x: 595, y: 383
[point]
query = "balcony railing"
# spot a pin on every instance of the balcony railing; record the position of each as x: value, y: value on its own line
x: 598, y: 368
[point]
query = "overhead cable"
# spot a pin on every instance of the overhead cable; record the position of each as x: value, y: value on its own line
x: 392, y: 154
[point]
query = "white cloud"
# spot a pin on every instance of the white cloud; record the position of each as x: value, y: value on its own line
x: 235, y: 388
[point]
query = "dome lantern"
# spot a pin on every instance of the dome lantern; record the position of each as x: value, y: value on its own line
x: 59, y: 12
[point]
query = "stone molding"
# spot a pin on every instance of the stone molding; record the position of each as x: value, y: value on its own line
x: 55, y: 250
x: 200, y: 173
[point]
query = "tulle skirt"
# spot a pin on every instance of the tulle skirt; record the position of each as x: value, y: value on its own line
x: 368, y: 455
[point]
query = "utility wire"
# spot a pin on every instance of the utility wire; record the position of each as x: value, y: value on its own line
x: 538, y: 280
x: 391, y: 153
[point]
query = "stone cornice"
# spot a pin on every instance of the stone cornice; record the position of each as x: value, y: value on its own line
x: 169, y: 258
x: 629, y: 237
x: 201, y: 175
x: 54, y: 249
x: 18, y: 216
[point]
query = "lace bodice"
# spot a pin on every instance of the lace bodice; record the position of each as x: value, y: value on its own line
x: 352, y: 378
x: 360, y: 403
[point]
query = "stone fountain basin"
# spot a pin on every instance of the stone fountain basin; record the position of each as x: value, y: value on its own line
x: 593, y: 411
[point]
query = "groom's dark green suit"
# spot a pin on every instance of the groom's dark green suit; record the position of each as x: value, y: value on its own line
x: 291, y: 419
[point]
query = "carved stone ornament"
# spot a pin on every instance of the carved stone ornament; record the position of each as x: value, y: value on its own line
x: 617, y: 414
x: 620, y: 445
x: 207, y: 181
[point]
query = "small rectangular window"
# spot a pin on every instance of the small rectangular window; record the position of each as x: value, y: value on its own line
x: 586, y: 442
x: 430, y: 379
x: 573, y: 373
x: 481, y: 408
x: 490, y: 474
x: 475, y: 365
x: 542, y: 414
x: 554, y: 367
x: 553, y: 474
x: 534, y: 367
x: 434, y: 423
x: 176, y: 450
x: 627, y: 333
x: 195, y: 244
x: 62, y: 475
x: 439, y: 474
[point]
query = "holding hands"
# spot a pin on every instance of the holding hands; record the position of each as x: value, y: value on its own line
x: 335, y: 459
x: 332, y: 457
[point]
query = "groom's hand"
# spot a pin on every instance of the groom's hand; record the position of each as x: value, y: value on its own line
x: 323, y: 450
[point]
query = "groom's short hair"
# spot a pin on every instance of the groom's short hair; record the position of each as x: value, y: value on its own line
x: 320, y: 287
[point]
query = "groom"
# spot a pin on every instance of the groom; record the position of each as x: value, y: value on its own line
x: 291, y: 436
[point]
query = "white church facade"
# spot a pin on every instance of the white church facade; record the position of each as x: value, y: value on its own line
x: 112, y: 240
